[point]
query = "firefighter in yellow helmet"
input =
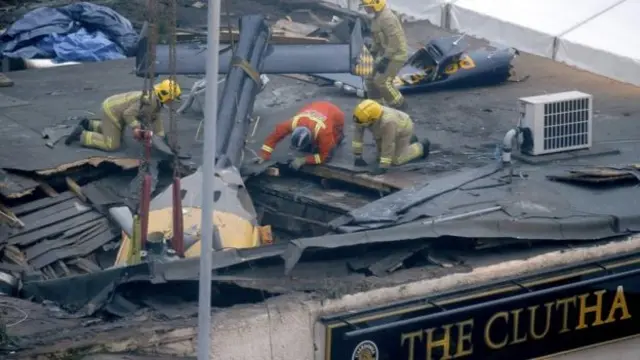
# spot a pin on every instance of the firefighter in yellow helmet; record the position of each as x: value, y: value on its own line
x: 389, y: 50
x: 122, y: 110
x: 393, y: 133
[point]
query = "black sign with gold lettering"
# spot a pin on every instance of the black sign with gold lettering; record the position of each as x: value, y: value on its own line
x: 510, y: 321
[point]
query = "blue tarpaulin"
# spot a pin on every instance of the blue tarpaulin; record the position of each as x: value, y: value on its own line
x: 76, y: 32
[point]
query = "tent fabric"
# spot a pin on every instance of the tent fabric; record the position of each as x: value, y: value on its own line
x: 594, y: 35
x: 529, y: 25
x: 607, y: 45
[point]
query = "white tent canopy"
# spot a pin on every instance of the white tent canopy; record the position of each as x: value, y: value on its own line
x: 608, y: 44
x: 600, y: 36
x: 529, y: 25
x: 595, y: 35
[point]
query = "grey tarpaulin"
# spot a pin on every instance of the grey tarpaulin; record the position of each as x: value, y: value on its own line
x: 280, y: 59
x: 23, y: 38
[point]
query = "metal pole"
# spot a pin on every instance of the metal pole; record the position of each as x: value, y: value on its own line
x: 208, y: 173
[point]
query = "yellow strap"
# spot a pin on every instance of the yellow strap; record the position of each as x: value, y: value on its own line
x: 248, y: 69
x: 266, y: 148
x: 317, y: 158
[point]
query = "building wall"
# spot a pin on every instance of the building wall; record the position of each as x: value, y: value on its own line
x: 619, y: 350
x: 285, y: 328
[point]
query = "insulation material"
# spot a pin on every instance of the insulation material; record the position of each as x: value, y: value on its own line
x: 606, y: 45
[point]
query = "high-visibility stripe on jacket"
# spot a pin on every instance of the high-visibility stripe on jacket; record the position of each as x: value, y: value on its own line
x: 326, y: 123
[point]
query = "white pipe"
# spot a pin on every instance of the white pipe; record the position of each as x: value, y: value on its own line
x: 507, y: 147
x: 208, y: 173
x: 507, y: 144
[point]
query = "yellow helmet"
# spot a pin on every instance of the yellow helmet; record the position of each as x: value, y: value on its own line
x: 367, y: 112
x: 375, y: 5
x: 167, y: 90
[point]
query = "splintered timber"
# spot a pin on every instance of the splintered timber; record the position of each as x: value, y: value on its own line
x: 495, y: 325
x: 512, y: 327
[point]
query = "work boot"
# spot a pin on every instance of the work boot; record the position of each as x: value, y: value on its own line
x: 75, y: 135
x: 5, y: 81
x: 80, y: 121
x: 426, y: 147
x: 85, y: 124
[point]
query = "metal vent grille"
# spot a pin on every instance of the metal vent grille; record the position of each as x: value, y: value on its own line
x: 557, y: 122
x: 566, y: 124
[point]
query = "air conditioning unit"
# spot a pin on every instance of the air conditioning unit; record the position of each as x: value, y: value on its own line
x: 555, y: 123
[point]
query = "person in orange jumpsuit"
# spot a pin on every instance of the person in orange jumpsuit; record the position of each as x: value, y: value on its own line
x: 318, y: 128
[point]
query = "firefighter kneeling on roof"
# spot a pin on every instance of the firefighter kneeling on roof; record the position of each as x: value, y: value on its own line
x: 127, y: 109
x: 318, y: 128
x: 393, y: 133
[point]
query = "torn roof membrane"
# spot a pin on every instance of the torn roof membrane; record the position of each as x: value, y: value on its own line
x: 487, y: 203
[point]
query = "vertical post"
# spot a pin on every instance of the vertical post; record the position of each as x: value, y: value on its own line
x: 208, y: 174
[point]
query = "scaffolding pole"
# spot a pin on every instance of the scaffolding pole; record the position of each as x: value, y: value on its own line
x: 208, y: 173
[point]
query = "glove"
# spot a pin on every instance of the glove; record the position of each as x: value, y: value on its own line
x: 138, y: 134
x: 379, y: 171
x: 297, y: 163
x: 257, y: 160
x: 381, y: 65
x: 359, y: 161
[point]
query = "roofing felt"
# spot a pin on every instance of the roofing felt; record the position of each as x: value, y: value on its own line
x: 47, y: 97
